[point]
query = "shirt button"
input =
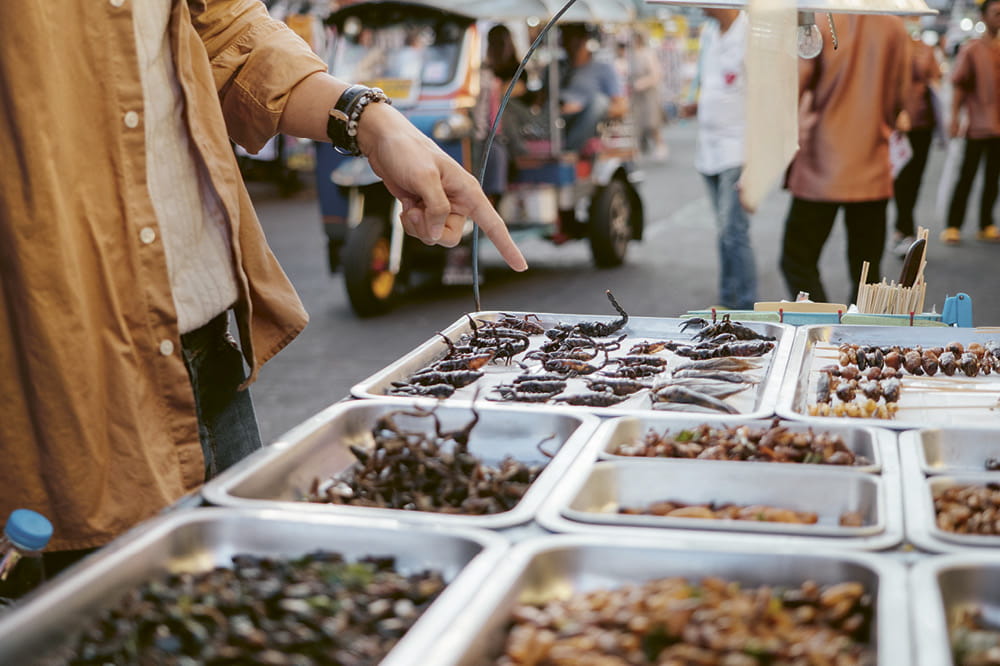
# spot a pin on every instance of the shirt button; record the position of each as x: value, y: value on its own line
x: 147, y: 235
x: 166, y: 347
x: 131, y: 120
x: 117, y: 3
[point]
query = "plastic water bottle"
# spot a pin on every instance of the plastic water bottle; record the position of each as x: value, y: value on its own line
x: 25, y: 536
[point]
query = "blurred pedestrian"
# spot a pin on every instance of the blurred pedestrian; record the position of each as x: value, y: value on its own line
x: 591, y: 92
x: 925, y: 74
x: 850, y: 98
x: 976, y: 91
x: 645, y: 96
x: 498, y: 71
x: 721, y: 111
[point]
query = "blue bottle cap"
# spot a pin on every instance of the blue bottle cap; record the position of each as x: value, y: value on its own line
x: 28, y: 529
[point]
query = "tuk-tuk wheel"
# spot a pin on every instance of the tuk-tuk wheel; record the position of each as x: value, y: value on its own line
x: 367, y: 277
x: 610, y: 228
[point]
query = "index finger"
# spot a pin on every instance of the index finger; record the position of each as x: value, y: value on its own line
x: 493, y: 226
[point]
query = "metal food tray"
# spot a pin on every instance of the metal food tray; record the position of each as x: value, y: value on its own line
x: 918, y: 408
x: 921, y: 519
x: 592, y: 487
x: 756, y: 402
x: 201, y: 540
x: 938, y: 586
x: 872, y: 443
x: 558, y: 566
x: 276, y: 477
x: 950, y: 450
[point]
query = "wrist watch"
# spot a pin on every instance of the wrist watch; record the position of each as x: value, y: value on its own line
x: 342, y: 125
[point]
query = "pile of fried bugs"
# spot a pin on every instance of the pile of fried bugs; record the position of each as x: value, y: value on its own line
x: 969, y: 509
x: 866, y: 381
x: 714, y: 365
x: 426, y: 469
x: 318, y: 609
x: 729, y: 511
x: 774, y: 443
x: 974, y: 640
x: 673, y: 621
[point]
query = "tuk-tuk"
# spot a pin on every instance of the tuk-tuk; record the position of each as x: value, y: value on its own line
x: 427, y: 55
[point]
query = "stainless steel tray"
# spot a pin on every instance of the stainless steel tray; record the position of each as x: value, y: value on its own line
x: 921, y: 520
x: 276, y: 477
x: 938, y: 585
x: 581, y: 502
x: 558, y: 566
x: 872, y: 443
x: 206, y: 538
x: 950, y: 450
x: 756, y: 402
x: 920, y: 406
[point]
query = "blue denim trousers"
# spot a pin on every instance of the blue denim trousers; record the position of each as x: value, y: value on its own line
x: 227, y: 424
x: 737, y: 271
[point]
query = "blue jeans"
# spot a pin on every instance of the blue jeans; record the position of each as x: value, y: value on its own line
x: 738, y: 274
x: 582, y: 125
x: 227, y: 425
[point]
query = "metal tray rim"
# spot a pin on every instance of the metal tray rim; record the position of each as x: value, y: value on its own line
x: 930, y: 629
x: 882, y: 438
x: 100, y: 566
x: 550, y: 517
x: 218, y: 491
x: 785, y: 406
x: 911, y: 443
x: 767, y: 398
x: 777, y: 530
x: 891, y: 575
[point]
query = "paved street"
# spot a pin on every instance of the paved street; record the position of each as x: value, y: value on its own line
x: 674, y: 269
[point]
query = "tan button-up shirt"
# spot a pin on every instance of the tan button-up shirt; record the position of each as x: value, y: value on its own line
x: 97, y: 427
x: 977, y: 74
x: 857, y: 89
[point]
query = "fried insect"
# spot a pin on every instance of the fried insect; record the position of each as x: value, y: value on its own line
x: 720, y: 390
x: 714, y: 375
x: 569, y: 366
x: 617, y: 385
x: 749, y: 348
x: 457, y: 378
x: 679, y: 394
x: 600, y: 329
x: 463, y: 362
x: 439, y: 391
x: 726, y: 363
x: 529, y: 323
x: 593, y: 399
x: 725, y: 326
x: 635, y: 371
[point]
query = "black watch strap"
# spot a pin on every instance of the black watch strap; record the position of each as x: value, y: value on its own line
x: 336, y: 125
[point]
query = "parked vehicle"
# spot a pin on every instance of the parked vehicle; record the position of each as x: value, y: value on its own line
x: 427, y: 55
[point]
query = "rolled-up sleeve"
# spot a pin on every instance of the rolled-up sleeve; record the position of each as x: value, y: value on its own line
x: 256, y: 61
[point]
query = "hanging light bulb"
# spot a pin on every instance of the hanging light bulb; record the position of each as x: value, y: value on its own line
x: 808, y: 38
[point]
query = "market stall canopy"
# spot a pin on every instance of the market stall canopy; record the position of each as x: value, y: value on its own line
x: 897, y: 7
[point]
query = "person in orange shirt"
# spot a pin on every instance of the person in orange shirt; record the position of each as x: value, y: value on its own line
x: 976, y: 90
x: 850, y: 99
x: 925, y: 74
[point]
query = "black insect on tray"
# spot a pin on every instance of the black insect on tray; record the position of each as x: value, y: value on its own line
x: 426, y: 469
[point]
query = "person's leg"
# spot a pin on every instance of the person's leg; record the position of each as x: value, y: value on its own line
x: 990, y: 182
x: 967, y: 173
x: 866, y: 222
x: 807, y: 227
x: 907, y: 185
x: 583, y: 125
x: 738, y: 281
x: 227, y: 424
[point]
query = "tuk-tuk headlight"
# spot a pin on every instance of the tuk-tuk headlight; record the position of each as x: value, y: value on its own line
x: 452, y: 128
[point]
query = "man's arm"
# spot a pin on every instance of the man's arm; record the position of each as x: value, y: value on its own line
x: 436, y: 192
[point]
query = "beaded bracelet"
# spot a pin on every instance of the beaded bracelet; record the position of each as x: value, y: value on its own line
x: 342, y: 126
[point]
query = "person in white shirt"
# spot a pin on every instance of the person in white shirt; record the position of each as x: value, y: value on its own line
x: 719, y: 154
